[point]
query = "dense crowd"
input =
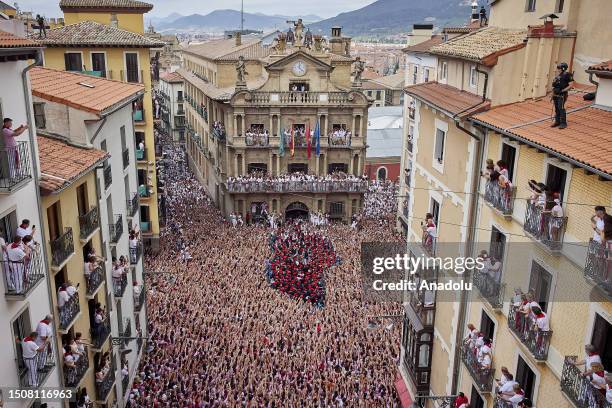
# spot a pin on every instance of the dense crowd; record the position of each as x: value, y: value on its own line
x: 222, y: 337
x: 260, y: 181
x: 257, y: 137
x: 339, y: 137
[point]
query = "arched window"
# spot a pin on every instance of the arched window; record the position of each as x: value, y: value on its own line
x: 381, y: 173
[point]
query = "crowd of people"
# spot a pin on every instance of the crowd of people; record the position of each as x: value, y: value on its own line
x: 257, y: 137
x: 219, y: 127
x: 339, y: 137
x: 18, y: 258
x: 221, y: 336
x: 260, y: 181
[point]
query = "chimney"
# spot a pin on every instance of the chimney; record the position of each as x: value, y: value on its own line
x: 238, y: 37
x: 603, y: 97
x: 336, y: 31
x: 420, y: 33
x: 475, y: 11
x: 114, y: 22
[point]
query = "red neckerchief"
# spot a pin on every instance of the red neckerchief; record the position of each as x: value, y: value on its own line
x: 22, y: 226
x: 45, y: 321
x: 540, y: 315
x: 593, y: 354
x: 14, y: 245
x: 520, y: 392
x: 601, y: 373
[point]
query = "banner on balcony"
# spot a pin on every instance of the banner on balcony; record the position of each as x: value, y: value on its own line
x: 317, y: 135
x: 308, y: 140
x: 281, y: 144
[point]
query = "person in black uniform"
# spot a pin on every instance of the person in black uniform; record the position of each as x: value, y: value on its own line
x: 561, y: 85
x: 483, y: 17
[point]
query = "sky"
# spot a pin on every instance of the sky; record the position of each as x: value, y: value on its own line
x: 322, y: 8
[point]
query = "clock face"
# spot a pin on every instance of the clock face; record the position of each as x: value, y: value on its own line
x: 299, y: 68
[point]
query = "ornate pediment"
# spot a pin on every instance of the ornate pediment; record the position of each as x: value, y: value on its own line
x: 289, y: 61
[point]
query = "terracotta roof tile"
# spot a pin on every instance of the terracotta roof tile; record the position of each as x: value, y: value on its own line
x: 482, y: 45
x: 603, y: 67
x: 472, y: 26
x: 84, y: 92
x: 8, y: 40
x: 394, y: 81
x: 448, y: 98
x: 94, y: 34
x: 171, y: 77
x: 425, y: 45
x: 220, y: 49
x: 587, y: 139
x: 62, y: 164
x: 105, y: 4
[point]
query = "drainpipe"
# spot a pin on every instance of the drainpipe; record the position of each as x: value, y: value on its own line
x: 98, y: 130
x: 486, y: 83
x: 591, y: 80
x: 35, y: 170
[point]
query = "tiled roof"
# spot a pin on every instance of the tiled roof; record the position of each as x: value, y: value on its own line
x: 8, y: 40
x: 603, y: 67
x: 84, y: 92
x: 395, y: 81
x: 223, y: 94
x: 105, y: 4
x: 171, y: 77
x: 93, y: 34
x: 5, y: 6
x: 472, y: 26
x: 226, y: 49
x: 448, y: 98
x: 586, y: 140
x: 482, y: 46
x: 62, y: 164
x: 425, y: 45
x: 253, y: 52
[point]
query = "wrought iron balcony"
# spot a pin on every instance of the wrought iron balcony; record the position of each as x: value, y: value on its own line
x: 257, y: 139
x: 483, y: 377
x: 319, y: 186
x: 119, y: 285
x: 95, y: 279
x: 108, y: 176
x: 500, y: 198
x: 139, y: 299
x: 141, y: 155
x: 537, y: 341
x: 218, y: 133
x: 126, y: 158
x: 429, y: 243
x: 116, y: 229
x: 125, y: 382
x: 424, y: 306
x: 133, y: 205
x: 73, y: 375
x: 543, y: 227
x: 143, y: 191
x: 44, y: 361
x: 145, y: 226
x: 127, y: 332
x: 20, y: 277
x: 88, y: 223
x: 578, y: 387
x: 14, y: 167
x: 69, y: 312
x: 499, y: 402
x: 62, y: 248
x: 132, y: 75
x: 100, y: 333
x: 135, y: 254
x: 597, y: 266
x: 339, y: 140
x: 104, y: 387
x: 490, y: 289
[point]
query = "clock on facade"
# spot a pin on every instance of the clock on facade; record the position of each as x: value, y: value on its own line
x: 299, y: 68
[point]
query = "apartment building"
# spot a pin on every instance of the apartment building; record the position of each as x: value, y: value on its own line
x: 25, y: 279
x: 171, y: 102
x: 106, y: 39
x: 91, y: 205
x: 386, y: 90
x: 235, y: 128
x: 502, y: 74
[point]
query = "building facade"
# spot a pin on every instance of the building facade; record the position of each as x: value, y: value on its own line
x: 235, y: 127
x: 385, y: 137
x: 171, y: 101
x: 91, y: 202
x: 106, y: 38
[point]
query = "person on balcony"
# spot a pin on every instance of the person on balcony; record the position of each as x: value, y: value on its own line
x: 10, y: 145
x: 134, y: 243
x: 541, y: 324
x: 598, y: 377
x: 71, y: 289
x: 45, y: 334
x: 556, y: 220
x: 89, y: 266
x: 592, y: 356
x: 461, y: 401
x: 517, y: 396
x: 526, y: 403
x: 17, y: 257
x: 30, y: 352
x: 25, y: 229
x: 429, y: 232
x: 73, y: 347
x: 505, y: 385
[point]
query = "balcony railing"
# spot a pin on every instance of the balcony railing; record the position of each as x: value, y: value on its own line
x: 500, y: 198
x: 44, y: 362
x: 490, y: 289
x: 108, y: 176
x: 145, y: 226
x: 95, y: 279
x: 141, y: 155
x: 499, y: 402
x: 424, y: 306
x: 138, y: 115
x: 132, y: 205
x: 74, y: 375
x: 218, y: 133
x: 126, y: 158
x: 543, y: 227
x: 62, y: 248
x: 483, y: 377
x: 119, y: 285
x: 328, y: 186
x: 69, y: 312
x: 20, y: 277
x: 257, y: 139
x: 89, y: 222
x: 429, y: 244
x: 299, y: 98
x: 536, y: 340
x: 14, y: 166
x: 100, y: 333
x: 339, y: 140
x: 132, y: 75
x: 116, y: 229
x: 598, y: 266
x: 127, y: 331
x: 135, y: 254
x: 143, y: 191
x: 139, y: 299
x: 104, y: 387
x: 578, y: 387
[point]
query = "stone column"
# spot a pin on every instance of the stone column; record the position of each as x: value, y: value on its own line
x: 278, y: 163
x: 270, y: 161
x: 244, y: 169
x: 235, y: 130
x: 235, y: 164
x: 351, y: 165
x: 353, y: 125
x: 243, y: 125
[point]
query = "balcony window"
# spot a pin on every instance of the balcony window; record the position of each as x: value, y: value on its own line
x: 132, y: 205
x: 440, y: 140
x: 73, y: 61
x: 473, y: 76
x: 98, y: 64
x: 39, y: 115
x: 417, y: 343
x: 132, y: 71
x: 257, y: 135
x: 339, y: 136
x: 138, y: 110
x: 116, y: 229
x: 530, y: 6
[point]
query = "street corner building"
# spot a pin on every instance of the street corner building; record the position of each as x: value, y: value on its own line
x: 275, y: 108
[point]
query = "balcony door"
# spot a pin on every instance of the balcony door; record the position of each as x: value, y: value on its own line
x: 487, y: 325
x: 132, y: 71
x: 602, y: 340
x: 555, y: 181
x: 508, y: 156
x: 73, y: 61
x: 22, y: 327
x: 476, y: 400
x: 8, y: 226
x: 525, y: 377
x: 82, y: 199
x: 540, y: 283
x: 98, y: 63
x: 54, y: 221
x: 498, y: 244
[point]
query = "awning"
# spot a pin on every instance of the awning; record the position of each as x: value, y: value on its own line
x: 402, y: 391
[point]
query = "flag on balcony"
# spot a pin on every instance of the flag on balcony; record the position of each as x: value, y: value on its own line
x: 281, y: 144
x: 292, y: 142
x: 317, y: 135
x: 308, y: 139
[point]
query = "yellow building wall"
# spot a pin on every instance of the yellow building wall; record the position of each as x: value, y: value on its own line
x: 133, y: 22
x: 512, y: 14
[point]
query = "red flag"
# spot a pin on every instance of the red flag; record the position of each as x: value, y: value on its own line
x: 308, y: 139
x: 292, y: 142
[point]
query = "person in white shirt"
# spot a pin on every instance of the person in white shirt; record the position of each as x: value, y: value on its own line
x: 25, y: 229
x: 16, y: 264
x: 29, y: 351
x: 508, y: 386
x: 591, y: 357
x: 597, y: 221
x: 62, y: 296
x: 71, y: 289
x: 517, y: 396
x: 45, y: 333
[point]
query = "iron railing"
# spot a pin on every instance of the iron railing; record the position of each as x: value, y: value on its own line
x: 132, y: 205
x: 108, y: 176
x: 132, y: 75
x: 104, y: 387
x: 62, y: 248
x: 135, y: 254
x: 490, y: 289
x: 14, y: 166
x: 145, y: 226
x: 94, y: 279
x: 141, y: 155
x: 21, y: 276
x: 483, y: 377
x: 429, y: 243
x: 139, y: 299
x: 578, y: 387
x: 116, y: 229
x: 89, y: 222
x: 74, y: 375
x: 119, y: 285
x: 598, y: 266
x: 543, y: 227
x: 127, y: 332
x: 69, y: 311
x: 44, y: 361
x: 126, y: 158
x: 501, y: 198
x: 499, y: 402
x: 318, y: 186
x: 536, y: 340
x: 143, y: 190
x: 338, y: 140
x: 257, y: 139
x: 100, y: 333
